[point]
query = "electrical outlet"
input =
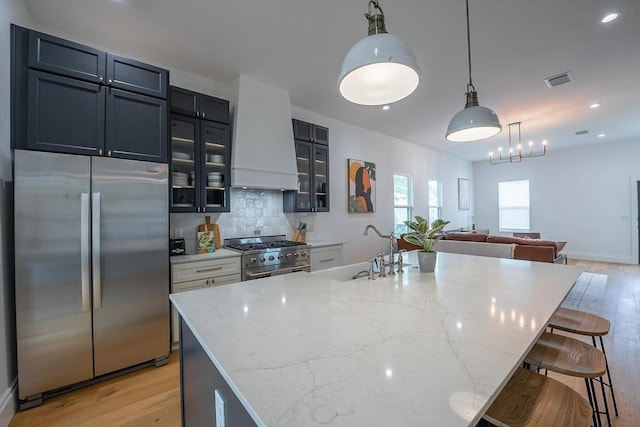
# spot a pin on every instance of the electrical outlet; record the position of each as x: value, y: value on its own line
x: 220, y: 410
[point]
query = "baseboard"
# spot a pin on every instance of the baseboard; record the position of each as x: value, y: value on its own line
x: 589, y: 256
x: 8, y: 404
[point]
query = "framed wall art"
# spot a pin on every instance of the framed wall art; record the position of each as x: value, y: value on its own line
x: 362, y: 186
x: 464, y: 194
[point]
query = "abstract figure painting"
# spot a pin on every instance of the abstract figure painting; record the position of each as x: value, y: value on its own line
x: 362, y: 186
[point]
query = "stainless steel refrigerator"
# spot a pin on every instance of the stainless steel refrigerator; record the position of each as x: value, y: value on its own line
x: 92, y: 268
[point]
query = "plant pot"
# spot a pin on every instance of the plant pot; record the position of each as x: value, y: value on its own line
x: 427, y: 261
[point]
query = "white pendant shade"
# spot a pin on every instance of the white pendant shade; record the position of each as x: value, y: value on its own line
x: 473, y: 124
x: 379, y: 69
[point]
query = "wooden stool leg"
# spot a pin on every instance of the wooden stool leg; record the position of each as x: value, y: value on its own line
x: 610, y: 382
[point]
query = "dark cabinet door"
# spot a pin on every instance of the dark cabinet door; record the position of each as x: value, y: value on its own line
x: 215, y: 109
x: 309, y: 132
x: 136, y: 126
x: 55, y: 55
x: 200, y: 165
x: 320, y: 135
x: 184, y: 102
x: 64, y: 115
x: 198, y: 105
x: 185, y: 164
x: 136, y: 76
x: 321, y: 178
x: 302, y: 130
x: 215, y: 166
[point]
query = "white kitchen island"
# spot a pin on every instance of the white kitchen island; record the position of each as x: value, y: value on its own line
x: 416, y: 349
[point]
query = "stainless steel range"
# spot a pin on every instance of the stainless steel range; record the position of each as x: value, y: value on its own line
x: 270, y: 256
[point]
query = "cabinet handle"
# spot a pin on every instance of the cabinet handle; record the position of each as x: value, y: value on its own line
x: 203, y: 115
x: 327, y: 260
x: 100, y: 151
x: 109, y: 153
x: 110, y: 81
x: 204, y: 270
x: 198, y: 208
x: 213, y: 281
x: 204, y: 209
x: 101, y: 79
x: 207, y: 282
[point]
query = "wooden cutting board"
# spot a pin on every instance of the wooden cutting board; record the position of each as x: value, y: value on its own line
x: 207, y: 226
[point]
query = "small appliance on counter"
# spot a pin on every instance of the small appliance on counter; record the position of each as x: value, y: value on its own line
x: 176, y: 246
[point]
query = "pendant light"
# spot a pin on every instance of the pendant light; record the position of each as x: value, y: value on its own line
x: 380, y: 68
x: 474, y: 122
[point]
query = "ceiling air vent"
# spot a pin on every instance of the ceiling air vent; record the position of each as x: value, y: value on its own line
x: 559, y: 79
x: 582, y: 132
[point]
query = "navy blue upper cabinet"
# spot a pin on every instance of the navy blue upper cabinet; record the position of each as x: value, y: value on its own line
x: 56, y: 55
x: 309, y: 132
x: 135, y: 76
x: 125, y: 138
x: 199, y: 105
x: 64, y: 115
x: 70, y: 98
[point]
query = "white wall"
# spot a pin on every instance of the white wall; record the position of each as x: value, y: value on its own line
x: 11, y: 11
x: 390, y: 156
x: 586, y: 196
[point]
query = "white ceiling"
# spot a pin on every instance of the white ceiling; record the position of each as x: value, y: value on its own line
x: 299, y: 45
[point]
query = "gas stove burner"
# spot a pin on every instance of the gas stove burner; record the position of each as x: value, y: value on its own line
x: 265, y: 245
x: 261, y: 243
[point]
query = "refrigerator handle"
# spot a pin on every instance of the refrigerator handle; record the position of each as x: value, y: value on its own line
x: 95, y: 251
x: 84, y: 251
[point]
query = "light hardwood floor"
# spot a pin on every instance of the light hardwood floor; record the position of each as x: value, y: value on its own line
x: 151, y: 397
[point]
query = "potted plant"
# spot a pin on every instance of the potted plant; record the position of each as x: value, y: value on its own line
x: 424, y: 236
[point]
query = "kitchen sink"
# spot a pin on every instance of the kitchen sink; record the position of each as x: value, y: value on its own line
x: 347, y: 272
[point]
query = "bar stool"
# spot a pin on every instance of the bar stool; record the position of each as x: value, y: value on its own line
x: 587, y: 324
x: 575, y: 358
x: 533, y: 400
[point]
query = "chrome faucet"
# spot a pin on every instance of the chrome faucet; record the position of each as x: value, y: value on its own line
x: 392, y: 244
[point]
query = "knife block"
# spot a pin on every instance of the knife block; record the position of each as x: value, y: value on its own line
x: 299, y: 236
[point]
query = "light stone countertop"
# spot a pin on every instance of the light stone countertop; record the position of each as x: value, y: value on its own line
x: 219, y: 253
x: 414, y: 349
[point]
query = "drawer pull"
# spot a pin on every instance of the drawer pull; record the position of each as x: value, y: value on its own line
x: 204, y: 270
x: 327, y: 260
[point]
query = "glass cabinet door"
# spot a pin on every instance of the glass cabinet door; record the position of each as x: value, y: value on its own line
x: 320, y: 177
x: 216, y: 168
x: 183, y: 164
x: 304, y: 155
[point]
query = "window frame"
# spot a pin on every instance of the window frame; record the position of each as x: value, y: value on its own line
x: 514, y: 206
x: 408, y: 207
x: 438, y: 207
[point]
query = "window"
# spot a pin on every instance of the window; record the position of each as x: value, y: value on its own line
x: 435, y: 200
x: 402, y: 202
x: 513, y: 205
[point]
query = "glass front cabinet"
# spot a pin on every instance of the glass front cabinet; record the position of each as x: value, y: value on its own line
x: 313, y: 178
x: 200, y: 164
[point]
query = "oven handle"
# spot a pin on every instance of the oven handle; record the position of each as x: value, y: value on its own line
x: 278, y: 272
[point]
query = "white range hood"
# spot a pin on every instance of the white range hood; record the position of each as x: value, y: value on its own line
x: 263, y: 153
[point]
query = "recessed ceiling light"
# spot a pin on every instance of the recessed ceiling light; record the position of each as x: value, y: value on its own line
x: 385, y: 107
x: 610, y: 17
x: 602, y: 135
x: 595, y: 105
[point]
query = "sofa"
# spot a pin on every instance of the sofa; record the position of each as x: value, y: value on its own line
x: 497, y: 247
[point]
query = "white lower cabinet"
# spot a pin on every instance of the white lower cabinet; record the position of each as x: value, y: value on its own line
x: 326, y: 257
x: 188, y: 276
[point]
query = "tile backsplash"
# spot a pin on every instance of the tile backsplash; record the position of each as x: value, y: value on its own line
x: 252, y: 212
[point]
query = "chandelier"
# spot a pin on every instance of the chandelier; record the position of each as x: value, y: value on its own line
x: 516, y: 155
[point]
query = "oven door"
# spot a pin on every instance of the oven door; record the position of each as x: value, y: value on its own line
x: 251, y: 275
